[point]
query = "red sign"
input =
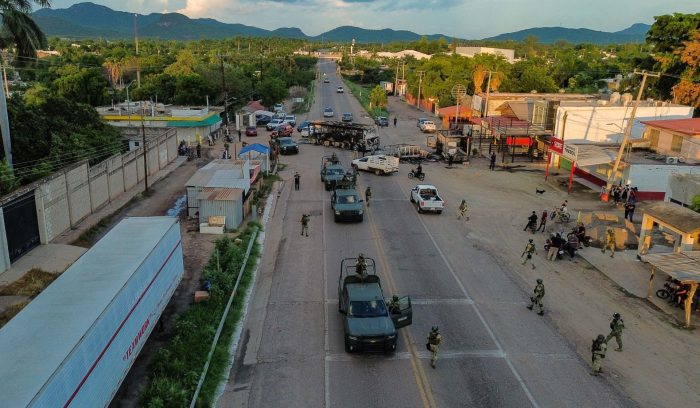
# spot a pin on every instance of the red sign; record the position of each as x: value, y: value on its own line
x: 556, y: 145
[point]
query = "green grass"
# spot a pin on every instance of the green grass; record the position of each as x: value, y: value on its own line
x: 362, y: 92
x: 177, y: 366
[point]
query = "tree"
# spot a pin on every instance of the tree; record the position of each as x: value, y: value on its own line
x: 377, y: 97
x: 19, y: 29
x: 478, y: 76
x: 695, y: 204
x: 272, y: 90
x: 528, y: 76
x: 687, y: 90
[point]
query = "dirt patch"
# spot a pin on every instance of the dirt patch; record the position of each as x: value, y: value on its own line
x: 31, y: 284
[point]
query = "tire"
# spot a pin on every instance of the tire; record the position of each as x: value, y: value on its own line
x: 410, y: 175
x: 565, y: 217
x: 439, y: 211
x: 335, y: 218
x: 347, y: 346
x: 354, y: 166
x: 420, y: 211
x: 662, y: 294
x: 421, y: 177
x: 412, y: 200
x: 378, y: 172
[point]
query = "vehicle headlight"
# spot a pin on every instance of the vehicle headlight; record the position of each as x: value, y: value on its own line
x: 352, y: 338
x: 360, y: 212
x: 391, y: 336
x: 337, y: 212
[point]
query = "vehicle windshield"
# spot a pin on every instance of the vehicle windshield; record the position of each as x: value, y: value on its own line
x: 350, y: 199
x: 336, y: 172
x: 286, y: 142
x: 367, y: 308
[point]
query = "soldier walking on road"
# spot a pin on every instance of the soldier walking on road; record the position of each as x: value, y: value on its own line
x: 527, y: 253
x: 297, y: 177
x: 368, y: 195
x: 492, y: 165
x: 239, y: 135
x: 463, y: 207
x: 598, y: 350
x: 434, y: 340
x: 537, y: 298
x: 395, y: 120
x: 609, y: 242
x: 616, y: 326
x: 543, y: 221
x: 305, y: 224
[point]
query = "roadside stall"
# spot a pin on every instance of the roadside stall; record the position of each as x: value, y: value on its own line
x: 682, y: 266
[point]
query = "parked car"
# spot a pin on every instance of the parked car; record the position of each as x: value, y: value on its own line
x: 273, y: 123
x: 304, y: 125
x: 340, y: 89
x: 262, y: 120
x: 328, y: 112
x: 251, y: 131
x: 280, y: 114
x: 282, y: 130
x: 420, y: 120
x: 291, y: 119
x: 278, y: 107
x: 287, y: 145
x: 381, y: 121
x: 347, y: 117
x: 428, y: 126
x: 326, y: 80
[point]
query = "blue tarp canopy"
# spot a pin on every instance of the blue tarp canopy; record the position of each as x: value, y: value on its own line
x: 255, y: 147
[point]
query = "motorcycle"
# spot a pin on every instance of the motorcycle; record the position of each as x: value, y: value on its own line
x: 560, y: 216
x: 414, y: 174
x: 670, y: 287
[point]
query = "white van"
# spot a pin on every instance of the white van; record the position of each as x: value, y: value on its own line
x: 379, y: 164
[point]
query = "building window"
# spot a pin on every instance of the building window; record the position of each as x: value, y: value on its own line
x: 136, y: 144
x: 676, y: 143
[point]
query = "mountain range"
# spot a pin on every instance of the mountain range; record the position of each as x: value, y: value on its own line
x: 89, y: 20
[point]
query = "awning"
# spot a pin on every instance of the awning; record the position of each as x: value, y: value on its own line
x: 684, y: 266
x: 209, y: 120
x: 255, y: 147
x: 589, y: 155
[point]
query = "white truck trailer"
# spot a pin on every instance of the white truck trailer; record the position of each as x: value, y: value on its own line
x: 75, y: 342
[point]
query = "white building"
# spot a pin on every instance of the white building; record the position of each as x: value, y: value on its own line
x: 605, y: 124
x: 405, y: 53
x: 470, y: 52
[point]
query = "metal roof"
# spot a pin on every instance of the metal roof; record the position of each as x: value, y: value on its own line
x: 684, y: 266
x: 225, y: 178
x: 36, y: 341
x: 682, y: 219
x: 257, y: 147
x: 220, y: 194
x: 689, y: 127
x: 591, y: 155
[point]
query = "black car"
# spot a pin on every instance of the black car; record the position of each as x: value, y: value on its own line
x: 381, y: 121
x: 262, y: 120
x: 287, y: 145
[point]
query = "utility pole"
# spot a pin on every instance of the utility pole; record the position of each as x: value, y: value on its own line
x: 420, y: 82
x: 628, y: 132
x: 396, y: 79
x: 223, y: 89
x: 145, y: 155
x: 485, y: 113
x: 136, y: 39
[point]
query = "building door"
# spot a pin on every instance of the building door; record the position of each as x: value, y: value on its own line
x: 21, y: 225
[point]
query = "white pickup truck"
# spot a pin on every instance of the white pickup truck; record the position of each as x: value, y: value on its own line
x: 426, y: 198
x: 379, y: 164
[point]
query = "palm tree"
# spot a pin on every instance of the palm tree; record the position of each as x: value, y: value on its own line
x: 19, y: 29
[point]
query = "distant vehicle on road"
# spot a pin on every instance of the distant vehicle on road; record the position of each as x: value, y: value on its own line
x: 251, y: 131
x: 420, y: 120
x: 346, y: 202
x: 328, y: 112
x: 291, y: 119
x: 331, y: 171
x: 262, y: 120
x: 428, y: 126
x: 273, y: 123
x: 370, y: 324
x: 381, y: 121
x: 340, y: 89
x: 426, y: 198
x: 278, y: 107
x: 326, y: 80
x: 304, y: 124
x: 379, y: 164
x: 287, y: 145
x: 347, y: 117
x: 282, y: 130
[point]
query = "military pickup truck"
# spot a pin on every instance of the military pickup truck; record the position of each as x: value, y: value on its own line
x: 331, y: 171
x: 370, y: 323
x: 345, y: 201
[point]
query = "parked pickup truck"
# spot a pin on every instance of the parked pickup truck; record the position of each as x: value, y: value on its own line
x: 370, y: 323
x: 379, y: 164
x: 426, y: 198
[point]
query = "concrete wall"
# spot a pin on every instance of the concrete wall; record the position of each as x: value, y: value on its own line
x: 129, y: 162
x: 78, y: 190
x: 653, y: 180
x: 52, y: 208
x: 606, y: 124
x: 682, y: 188
x: 99, y: 188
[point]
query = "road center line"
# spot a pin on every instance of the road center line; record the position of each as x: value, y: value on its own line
x: 326, y: 343
x: 424, y: 355
x: 481, y: 317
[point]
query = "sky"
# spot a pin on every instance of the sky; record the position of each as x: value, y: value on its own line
x: 467, y: 19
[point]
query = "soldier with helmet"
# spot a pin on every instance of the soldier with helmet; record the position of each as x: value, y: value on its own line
x: 616, y: 326
x: 537, y: 298
x: 527, y: 253
x: 361, y: 265
x: 394, y: 307
x: 434, y: 341
x: 598, y: 349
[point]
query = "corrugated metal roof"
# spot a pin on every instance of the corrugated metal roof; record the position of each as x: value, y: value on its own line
x: 200, y: 178
x: 224, y: 178
x: 690, y: 127
x: 35, y: 342
x: 220, y: 194
x: 684, y: 266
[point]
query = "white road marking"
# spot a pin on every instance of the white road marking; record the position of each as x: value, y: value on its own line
x: 405, y: 355
x: 481, y: 317
x: 326, y: 343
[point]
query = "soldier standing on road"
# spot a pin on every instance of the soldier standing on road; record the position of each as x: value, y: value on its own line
x: 434, y: 340
x: 543, y: 221
x: 395, y: 120
x: 297, y: 177
x: 616, y: 326
x: 239, y: 135
x: 305, y: 224
x: 394, y: 307
x: 598, y: 350
x: 492, y: 165
x: 463, y: 207
x: 537, y: 298
x: 609, y: 242
x: 368, y: 195
x: 527, y: 253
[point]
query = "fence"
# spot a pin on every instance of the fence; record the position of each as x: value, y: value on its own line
x: 68, y: 196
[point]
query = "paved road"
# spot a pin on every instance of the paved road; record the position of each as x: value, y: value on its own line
x: 495, y: 352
